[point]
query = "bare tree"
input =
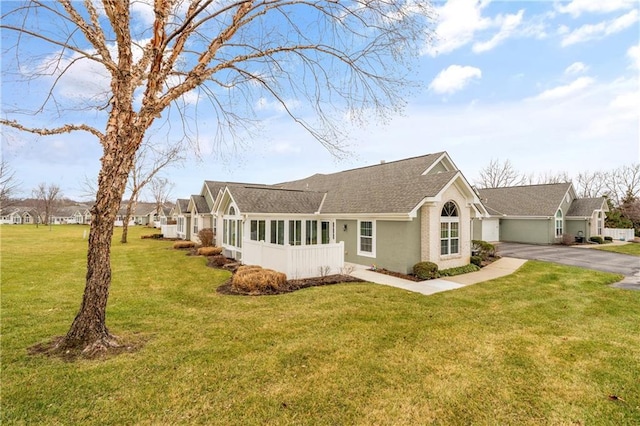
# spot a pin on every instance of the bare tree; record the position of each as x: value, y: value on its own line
x: 590, y: 184
x: 148, y: 163
x: 550, y: 177
x: 623, y: 183
x: 319, y: 61
x: 160, y: 189
x: 499, y: 174
x: 8, y: 185
x: 46, y: 197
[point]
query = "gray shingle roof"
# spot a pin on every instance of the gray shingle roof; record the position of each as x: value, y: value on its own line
x: 393, y: 187
x: 261, y: 199
x: 531, y: 200
x: 182, y: 205
x: 584, y: 207
x: 200, y: 204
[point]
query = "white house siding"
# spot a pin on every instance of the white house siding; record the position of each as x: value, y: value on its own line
x: 430, y: 247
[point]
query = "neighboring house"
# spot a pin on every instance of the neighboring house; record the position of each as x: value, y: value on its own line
x: 393, y: 215
x: 182, y: 218
x: 66, y: 215
x: 201, y: 216
x: 12, y: 216
x: 539, y: 214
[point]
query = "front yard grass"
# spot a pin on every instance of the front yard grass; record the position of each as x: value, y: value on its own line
x: 549, y: 344
x: 631, y: 248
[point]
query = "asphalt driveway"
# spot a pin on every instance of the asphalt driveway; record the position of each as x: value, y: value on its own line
x: 624, y: 264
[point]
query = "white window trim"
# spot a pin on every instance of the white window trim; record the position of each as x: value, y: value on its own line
x: 373, y: 239
x: 449, y: 220
x: 556, y: 221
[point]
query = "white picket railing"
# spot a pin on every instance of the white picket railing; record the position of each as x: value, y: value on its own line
x: 295, y: 261
x: 618, y: 234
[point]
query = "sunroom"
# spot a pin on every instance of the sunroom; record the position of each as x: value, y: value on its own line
x: 287, y: 235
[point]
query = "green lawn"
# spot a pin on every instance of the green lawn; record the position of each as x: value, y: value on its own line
x: 548, y: 345
x: 631, y: 248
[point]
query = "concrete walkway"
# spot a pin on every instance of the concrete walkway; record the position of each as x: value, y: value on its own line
x: 499, y: 268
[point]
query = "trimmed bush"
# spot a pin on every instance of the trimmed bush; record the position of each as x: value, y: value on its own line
x: 596, y: 239
x: 485, y: 250
x: 256, y: 280
x: 209, y: 251
x: 458, y: 270
x: 425, y: 270
x: 206, y: 237
x: 476, y: 260
x: 608, y: 239
x: 183, y: 244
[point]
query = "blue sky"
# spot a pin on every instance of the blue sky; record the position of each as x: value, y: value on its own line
x: 551, y: 86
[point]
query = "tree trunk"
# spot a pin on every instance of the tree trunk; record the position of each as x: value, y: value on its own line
x: 88, y: 332
x: 125, y: 224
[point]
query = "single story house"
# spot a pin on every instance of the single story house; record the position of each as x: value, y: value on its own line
x: 392, y: 215
x: 539, y: 214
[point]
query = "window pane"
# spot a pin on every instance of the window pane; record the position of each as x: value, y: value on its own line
x: 454, y: 230
x: 444, y: 230
x: 254, y: 230
x: 274, y: 232
x: 281, y: 232
x: 366, y: 244
x: 261, y: 230
x: 454, y: 246
x: 325, y: 233
x: 239, y: 223
x: 444, y: 246
x: 366, y: 229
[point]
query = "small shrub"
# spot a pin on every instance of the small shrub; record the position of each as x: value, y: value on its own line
x: 256, y: 280
x: 209, y: 251
x: 425, y: 270
x: 596, y: 239
x: 458, y: 270
x: 567, y: 239
x: 205, y: 235
x: 485, y: 250
x: 476, y: 260
x: 608, y: 239
x: 218, y: 261
x: 183, y: 244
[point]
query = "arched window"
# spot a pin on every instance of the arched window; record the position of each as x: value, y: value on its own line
x: 232, y: 211
x: 449, y: 229
x: 599, y: 223
x: 559, y: 224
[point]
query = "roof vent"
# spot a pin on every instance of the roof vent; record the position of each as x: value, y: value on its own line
x: 382, y: 161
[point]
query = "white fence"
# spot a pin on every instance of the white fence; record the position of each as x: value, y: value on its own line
x: 619, y: 234
x: 295, y: 261
x: 169, y: 231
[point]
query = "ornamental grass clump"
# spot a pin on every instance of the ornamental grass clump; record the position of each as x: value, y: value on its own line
x: 209, y: 251
x: 183, y: 244
x: 256, y: 280
x: 425, y: 270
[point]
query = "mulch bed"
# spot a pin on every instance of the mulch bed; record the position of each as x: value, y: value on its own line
x: 293, y: 285
x: 397, y: 274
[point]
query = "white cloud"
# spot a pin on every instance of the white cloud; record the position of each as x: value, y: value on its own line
x: 578, y: 7
x: 454, y: 79
x: 508, y: 24
x: 633, y: 53
x: 567, y: 90
x: 458, y: 21
x: 605, y: 28
x: 627, y: 101
x: 576, y: 68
